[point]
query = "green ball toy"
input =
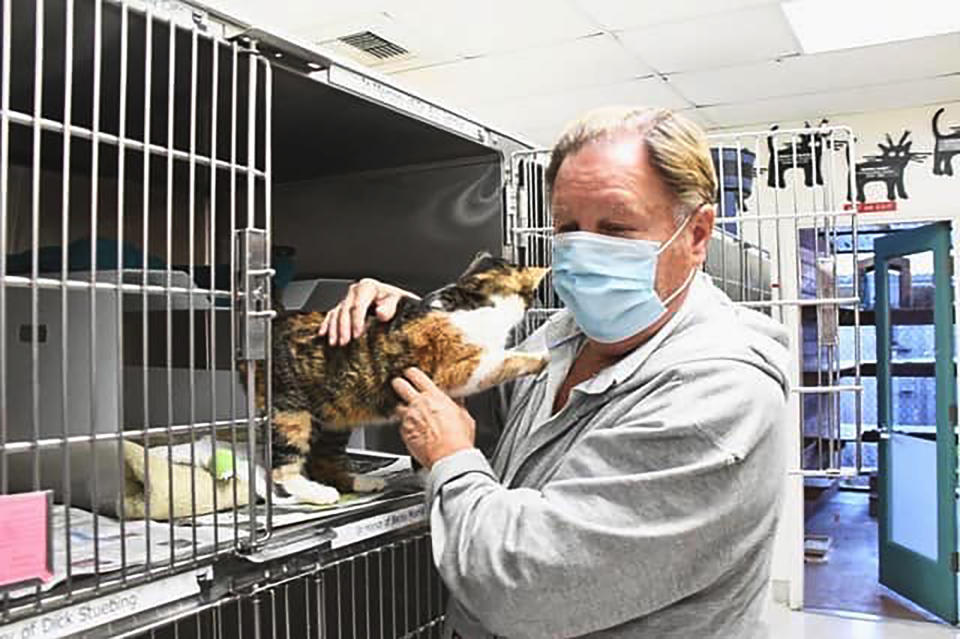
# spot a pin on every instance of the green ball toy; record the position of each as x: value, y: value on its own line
x: 222, y: 464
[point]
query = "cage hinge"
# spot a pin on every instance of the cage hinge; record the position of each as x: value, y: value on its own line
x: 281, y: 51
x: 952, y: 414
x: 253, y: 286
x: 955, y: 562
x: 183, y: 14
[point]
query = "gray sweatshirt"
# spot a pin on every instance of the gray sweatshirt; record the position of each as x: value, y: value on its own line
x: 645, y: 508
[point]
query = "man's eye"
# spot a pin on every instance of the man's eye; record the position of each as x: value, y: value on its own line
x: 568, y: 227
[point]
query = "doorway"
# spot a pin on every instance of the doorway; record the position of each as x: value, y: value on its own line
x: 889, y: 529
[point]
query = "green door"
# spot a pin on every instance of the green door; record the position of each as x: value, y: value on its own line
x: 916, y: 395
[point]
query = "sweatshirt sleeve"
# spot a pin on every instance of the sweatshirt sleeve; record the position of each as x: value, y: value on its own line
x: 645, y: 510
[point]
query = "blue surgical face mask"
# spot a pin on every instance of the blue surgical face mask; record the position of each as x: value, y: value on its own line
x: 608, y: 282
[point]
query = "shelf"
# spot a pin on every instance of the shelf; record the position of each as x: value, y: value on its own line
x: 869, y: 369
x: 898, y: 316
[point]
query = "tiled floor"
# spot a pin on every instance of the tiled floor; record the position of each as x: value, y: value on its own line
x: 848, y: 579
x: 786, y: 624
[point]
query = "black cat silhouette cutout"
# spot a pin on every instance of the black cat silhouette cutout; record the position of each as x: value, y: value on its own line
x: 806, y: 154
x: 946, y: 145
x: 887, y: 167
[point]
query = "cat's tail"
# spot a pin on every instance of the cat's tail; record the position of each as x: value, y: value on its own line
x: 937, y: 133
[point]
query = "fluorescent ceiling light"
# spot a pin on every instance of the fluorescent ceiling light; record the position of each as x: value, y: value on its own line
x: 828, y: 25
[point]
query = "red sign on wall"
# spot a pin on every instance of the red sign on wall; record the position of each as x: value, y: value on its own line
x: 872, y: 207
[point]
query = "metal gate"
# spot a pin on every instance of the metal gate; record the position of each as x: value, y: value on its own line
x: 135, y: 266
x: 785, y: 243
x: 390, y: 590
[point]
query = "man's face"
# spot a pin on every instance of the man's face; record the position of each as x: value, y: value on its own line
x: 609, y: 187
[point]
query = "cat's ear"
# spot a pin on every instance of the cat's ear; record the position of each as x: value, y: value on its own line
x: 477, y: 262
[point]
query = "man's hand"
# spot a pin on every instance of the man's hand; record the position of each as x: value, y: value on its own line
x: 346, y: 320
x: 434, y: 426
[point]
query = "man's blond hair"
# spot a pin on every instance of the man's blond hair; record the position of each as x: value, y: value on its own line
x: 676, y: 146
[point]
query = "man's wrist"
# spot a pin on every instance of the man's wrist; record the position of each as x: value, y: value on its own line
x: 445, y: 452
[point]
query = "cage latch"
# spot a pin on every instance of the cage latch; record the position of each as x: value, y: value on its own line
x: 253, y: 285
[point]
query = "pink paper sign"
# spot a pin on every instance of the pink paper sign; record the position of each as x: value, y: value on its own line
x: 25, y: 544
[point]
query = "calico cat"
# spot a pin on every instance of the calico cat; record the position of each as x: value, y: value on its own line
x: 457, y: 335
x: 806, y: 155
x: 946, y: 146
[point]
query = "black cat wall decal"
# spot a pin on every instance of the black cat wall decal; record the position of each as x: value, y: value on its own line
x: 946, y: 145
x: 807, y: 155
x: 887, y: 167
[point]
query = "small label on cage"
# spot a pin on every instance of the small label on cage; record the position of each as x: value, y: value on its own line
x: 381, y: 524
x: 72, y: 620
x: 26, y: 333
x: 26, y: 553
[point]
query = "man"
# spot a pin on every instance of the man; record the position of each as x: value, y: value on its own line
x: 635, y: 489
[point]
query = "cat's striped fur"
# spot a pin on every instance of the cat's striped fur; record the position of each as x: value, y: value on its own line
x: 456, y: 335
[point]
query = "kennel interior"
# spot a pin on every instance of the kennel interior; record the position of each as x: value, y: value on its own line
x: 166, y: 175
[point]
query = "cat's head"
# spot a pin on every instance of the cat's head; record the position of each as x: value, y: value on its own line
x: 486, y: 279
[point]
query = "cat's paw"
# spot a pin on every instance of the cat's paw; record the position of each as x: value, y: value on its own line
x: 320, y: 495
x: 283, y: 500
x: 539, y: 361
x: 369, y: 484
x: 311, y: 492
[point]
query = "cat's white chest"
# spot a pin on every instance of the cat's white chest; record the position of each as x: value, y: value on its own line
x: 489, y: 326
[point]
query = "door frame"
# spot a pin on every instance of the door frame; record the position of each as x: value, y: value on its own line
x: 937, y: 589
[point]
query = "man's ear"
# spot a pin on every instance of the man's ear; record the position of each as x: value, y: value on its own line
x: 701, y: 231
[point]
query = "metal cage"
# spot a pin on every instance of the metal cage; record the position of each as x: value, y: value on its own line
x: 135, y: 175
x: 389, y: 590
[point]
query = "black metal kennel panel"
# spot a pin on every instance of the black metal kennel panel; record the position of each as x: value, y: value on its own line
x: 166, y: 176
x: 391, y: 590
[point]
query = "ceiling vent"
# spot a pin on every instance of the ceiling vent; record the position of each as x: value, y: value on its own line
x: 371, y: 44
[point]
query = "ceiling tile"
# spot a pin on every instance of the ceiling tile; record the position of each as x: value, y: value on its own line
x: 546, y: 115
x: 552, y: 69
x: 829, y: 104
x: 496, y: 25
x: 618, y: 15
x: 839, y: 70
x: 739, y: 37
x: 298, y: 16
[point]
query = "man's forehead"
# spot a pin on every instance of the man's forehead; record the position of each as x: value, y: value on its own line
x: 623, y: 149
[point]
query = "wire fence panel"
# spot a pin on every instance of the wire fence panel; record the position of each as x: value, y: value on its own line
x: 134, y: 281
x: 385, y: 591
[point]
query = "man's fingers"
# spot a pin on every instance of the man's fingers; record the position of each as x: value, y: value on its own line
x: 332, y: 321
x: 387, y: 307
x: 323, y: 325
x: 421, y: 381
x: 404, y: 389
x: 358, y: 312
x: 343, y: 319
